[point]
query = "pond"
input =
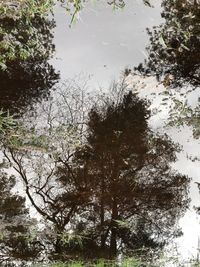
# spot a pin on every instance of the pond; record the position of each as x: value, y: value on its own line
x: 106, y: 151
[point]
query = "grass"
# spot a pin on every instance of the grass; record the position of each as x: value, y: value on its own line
x: 99, y: 263
x: 130, y: 262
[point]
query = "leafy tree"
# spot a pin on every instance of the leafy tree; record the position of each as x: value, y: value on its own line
x: 27, y: 83
x: 21, y: 37
x: 17, y: 242
x: 175, y: 59
x: 174, y: 45
x: 116, y: 191
x: 39, y: 150
x: 25, y: 46
x: 135, y: 196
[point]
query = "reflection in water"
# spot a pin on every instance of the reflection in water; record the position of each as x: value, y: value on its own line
x: 117, y: 193
x: 113, y: 194
x: 103, y: 42
x: 16, y: 242
x: 174, y: 56
x: 131, y: 198
x: 28, y: 80
x: 174, y: 45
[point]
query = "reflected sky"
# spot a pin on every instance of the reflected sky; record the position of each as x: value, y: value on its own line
x: 103, y: 42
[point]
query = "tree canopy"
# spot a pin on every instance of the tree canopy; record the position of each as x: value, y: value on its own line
x: 174, y: 45
x: 115, y: 193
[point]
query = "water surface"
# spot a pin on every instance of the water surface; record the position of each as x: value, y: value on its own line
x: 100, y: 45
x: 103, y: 42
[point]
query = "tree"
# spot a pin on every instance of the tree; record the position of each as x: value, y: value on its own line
x: 21, y: 37
x: 126, y: 169
x: 174, y: 45
x: 114, y: 191
x: 16, y: 242
x: 38, y: 150
x: 26, y: 46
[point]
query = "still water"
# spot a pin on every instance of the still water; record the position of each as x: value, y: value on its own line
x: 103, y: 42
x: 97, y: 48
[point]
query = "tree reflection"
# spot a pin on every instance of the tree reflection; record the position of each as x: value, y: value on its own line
x: 132, y: 197
x: 114, y: 193
x: 174, y: 45
x: 16, y: 243
x: 26, y: 80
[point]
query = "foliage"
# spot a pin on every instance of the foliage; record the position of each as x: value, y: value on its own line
x: 118, y: 167
x: 16, y: 227
x: 16, y: 242
x: 75, y: 6
x: 25, y: 47
x: 174, y: 45
x: 174, y: 58
x: 82, y: 149
x: 129, y: 262
x: 183, y: 108
x: 183, y: 114
x: 7, y: 124
x: 20, y: 38
x: 25, y: 83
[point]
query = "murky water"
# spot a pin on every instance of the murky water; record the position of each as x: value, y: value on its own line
x: 115, y: 213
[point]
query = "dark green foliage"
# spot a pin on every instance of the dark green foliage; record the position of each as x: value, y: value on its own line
x: 27, y: 78
x: 16, y: 242
x: 116, y: 193
x: 125, y: 179
x: 174, y: 45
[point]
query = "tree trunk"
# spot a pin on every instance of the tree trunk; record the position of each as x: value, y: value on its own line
x: 113, y: 238
x: 58, y: 246
x: 102, y: 215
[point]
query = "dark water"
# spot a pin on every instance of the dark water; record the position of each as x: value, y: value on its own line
x: 127, y: 187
